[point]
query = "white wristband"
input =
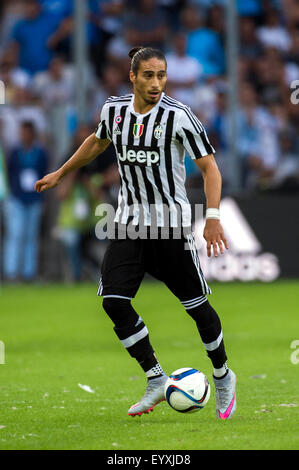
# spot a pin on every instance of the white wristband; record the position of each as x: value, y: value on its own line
x: 213, y: 214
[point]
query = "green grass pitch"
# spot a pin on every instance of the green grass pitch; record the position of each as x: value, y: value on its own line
x: 57, y: 337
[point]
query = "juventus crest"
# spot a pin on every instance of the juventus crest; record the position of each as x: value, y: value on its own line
x: 158, y: 131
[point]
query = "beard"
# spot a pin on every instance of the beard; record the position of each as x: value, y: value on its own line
x: 152, y: 99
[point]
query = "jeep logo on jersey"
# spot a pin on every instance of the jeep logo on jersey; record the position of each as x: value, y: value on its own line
x: 144, y: 157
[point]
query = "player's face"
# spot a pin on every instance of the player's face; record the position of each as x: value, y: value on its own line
x: 150, y: 80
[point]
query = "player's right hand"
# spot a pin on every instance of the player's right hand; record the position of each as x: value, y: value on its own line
x: 47, y: 182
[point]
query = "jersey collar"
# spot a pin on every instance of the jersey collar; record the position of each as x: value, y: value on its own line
x: 132, y: 110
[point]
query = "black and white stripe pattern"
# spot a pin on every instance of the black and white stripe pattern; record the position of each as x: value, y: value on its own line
x: 100, y: 288
x: 213, y: 345
x: 152, y: 193
x: 135, y: 338
x: 210, y: 329
x: 189, y: 304
x: 116, y: 297
x: 100, y: 293
x: 194, y: 253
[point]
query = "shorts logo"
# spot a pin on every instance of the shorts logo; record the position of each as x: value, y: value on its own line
x: 138, y: 130
x: 158, y: 131
x: 142, y: 157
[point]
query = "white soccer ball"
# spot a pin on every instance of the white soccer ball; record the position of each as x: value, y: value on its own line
x: 187, y: 390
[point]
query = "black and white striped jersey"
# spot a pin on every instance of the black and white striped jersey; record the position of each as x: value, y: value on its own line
x: 150, y: 151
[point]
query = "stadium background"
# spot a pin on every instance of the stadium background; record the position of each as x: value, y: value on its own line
x: 55, y: 339
x: 38, y: 69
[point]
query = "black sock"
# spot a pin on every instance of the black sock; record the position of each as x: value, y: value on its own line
x: 209, y: 327
x: 151, y: 367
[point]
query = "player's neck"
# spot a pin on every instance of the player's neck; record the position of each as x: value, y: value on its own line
x: 140, y: 106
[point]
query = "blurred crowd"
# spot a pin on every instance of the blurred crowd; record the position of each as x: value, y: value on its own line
x: 39, y: 128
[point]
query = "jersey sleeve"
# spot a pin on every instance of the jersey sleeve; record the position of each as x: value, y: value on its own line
x: 192, y: 135
x: 102, y: 131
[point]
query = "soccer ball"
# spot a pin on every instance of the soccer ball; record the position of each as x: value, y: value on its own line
x: 187, y: 390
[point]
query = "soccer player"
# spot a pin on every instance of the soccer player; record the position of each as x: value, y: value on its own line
x: 151, y: 133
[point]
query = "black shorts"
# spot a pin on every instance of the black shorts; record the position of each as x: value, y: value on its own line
x: 174, y: 262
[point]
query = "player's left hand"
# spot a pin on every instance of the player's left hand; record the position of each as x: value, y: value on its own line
x: 214, y: 236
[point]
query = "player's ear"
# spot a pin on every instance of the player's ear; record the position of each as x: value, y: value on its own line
x: 132, y: 76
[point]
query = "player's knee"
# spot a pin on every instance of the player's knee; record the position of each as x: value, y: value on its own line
x: 203, y: 314
x: 112, y: 305
x: 119, y: 310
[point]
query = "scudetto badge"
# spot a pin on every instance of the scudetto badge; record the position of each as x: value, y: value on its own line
x: 138, y: 129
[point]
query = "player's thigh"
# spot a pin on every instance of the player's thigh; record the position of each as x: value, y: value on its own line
x: 181, y: 269
x: 122, y: 268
